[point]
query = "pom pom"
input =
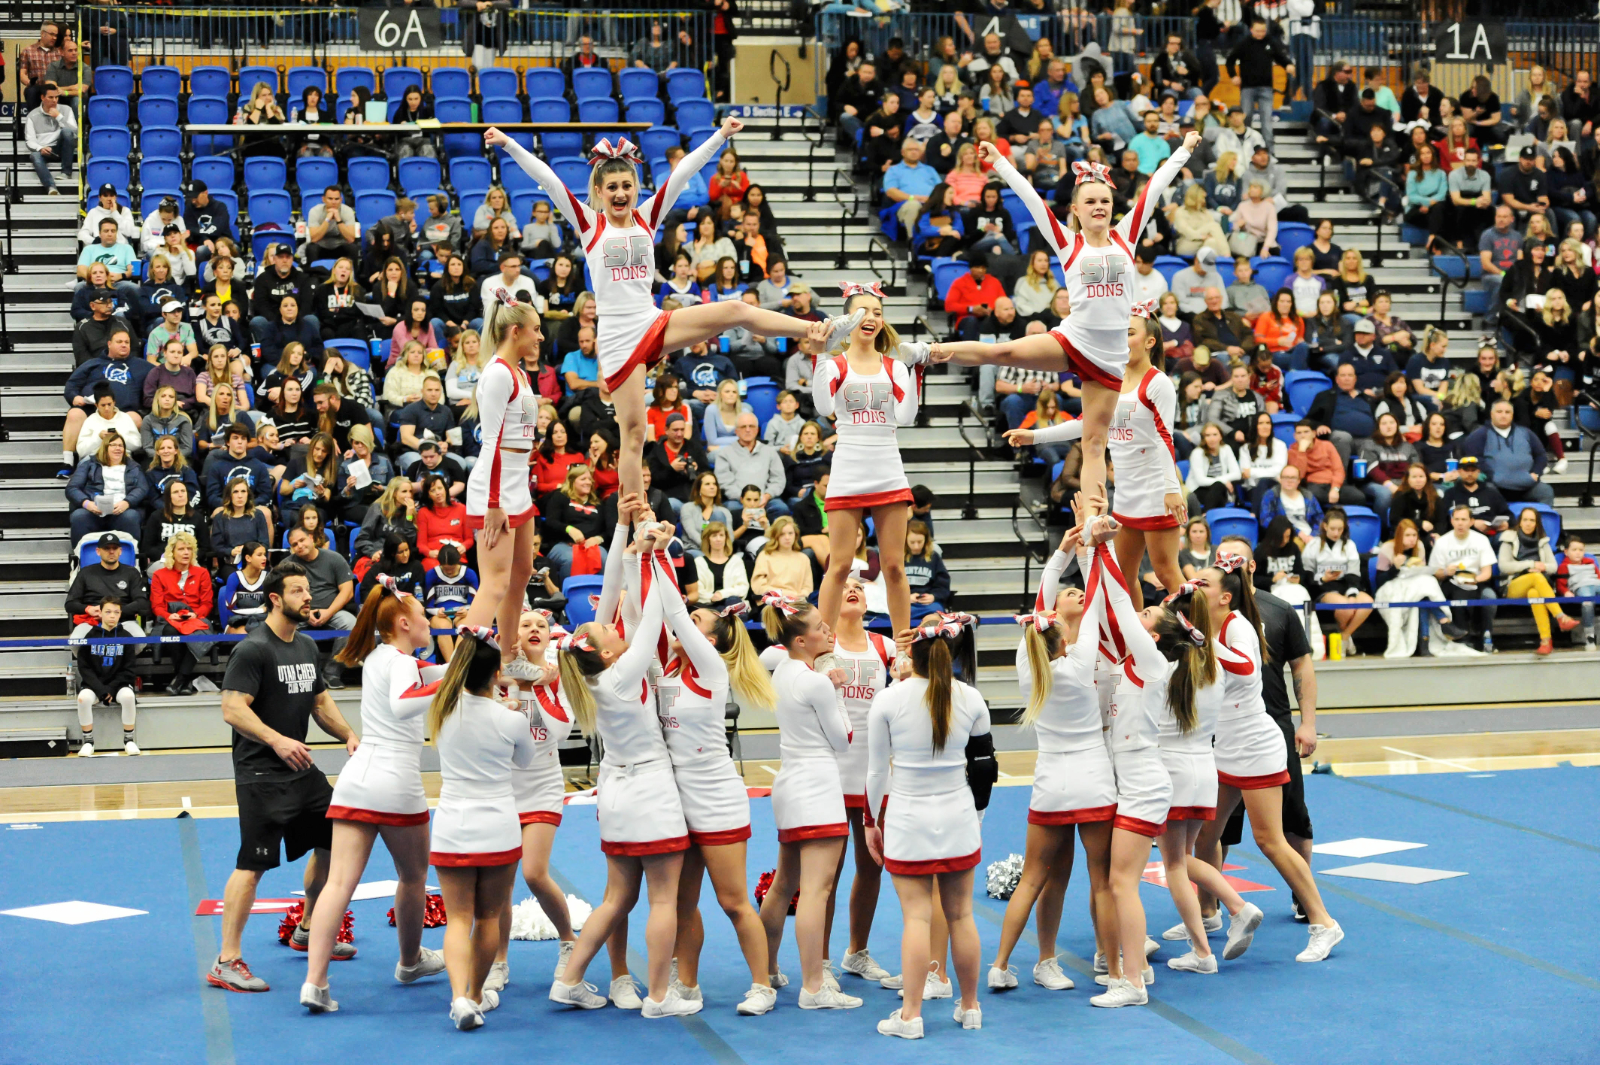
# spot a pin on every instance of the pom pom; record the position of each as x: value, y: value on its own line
x: 1002, y: 876
x: 764, y: 885
x: 291, y: 921
x: 432, y: 913
x: 528, y: 920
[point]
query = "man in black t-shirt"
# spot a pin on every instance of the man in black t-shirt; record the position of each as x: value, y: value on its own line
x: 345, y: 413
x: 271, y: 691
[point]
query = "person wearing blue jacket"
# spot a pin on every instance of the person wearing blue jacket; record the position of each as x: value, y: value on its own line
x: 106, y: 492
x: 926, y: 574
x: 117, y: 368
x: 1510, y: 456
x: 233, y: 462
x: 242, y: 603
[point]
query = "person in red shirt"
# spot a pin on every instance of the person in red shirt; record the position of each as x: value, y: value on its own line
x: 180, y: 595
x: 1267, y: 379
x: 973, y: 296
x: 441, y: 520
x: 551, y: 461
x: 728, y: 184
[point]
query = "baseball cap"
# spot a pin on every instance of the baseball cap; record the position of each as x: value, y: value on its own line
x: 170, y: 306
x: 197, y: 187
x: 1468, y: 460
x: 1365, y: 325
x: 108, y: 189
x: 1528, y: 152
x: 109, y: 540
x: 674, y: 417
x: 170, y: 228
x: 283, y: 249
x: 1205, y: 256
x: 102, y: 295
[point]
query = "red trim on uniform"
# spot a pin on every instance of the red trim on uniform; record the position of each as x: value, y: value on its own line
x: 841, y: 367
x: 881, y: 646
x: 549, y: 703
x: 1134, y: 824
x: 894, y: 386
x: 1120, y: 241
x: 1161, y: 426
x: 1086, y: 815
x: 578, y: 210
x: 599, y: 228
x: 420, y: 690
x: 724, y: 838
x: 855, y: 802
x: 453, y: 859
x: 800, y: 835
x: 646, y: 353
x: 646, y: 848
x: 865, y: 502
x: 376, y: 817
x: 494, y: 463
x: 936, y: 865
x: 1269, y: 780
x: 691, y: 680
x: 516, y: 521
x: 1077, y: 246
x: 1165, y: 521
x: 540, y: 817
x: 1239, y: 669
x: 1079, y: 364
x: 1138, y: 214
x: 1192, y: 813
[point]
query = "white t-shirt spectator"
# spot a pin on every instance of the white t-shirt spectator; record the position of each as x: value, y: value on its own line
x: 94, y: 425
x: 1151, y: 286
x: 1320, y: 557
x: 1465, y: 556
x: 523, y: 284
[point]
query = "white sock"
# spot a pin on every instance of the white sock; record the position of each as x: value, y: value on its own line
x: 86, y: 712
x: 66, y: 458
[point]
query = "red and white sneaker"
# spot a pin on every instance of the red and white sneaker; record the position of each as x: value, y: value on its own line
x: 234, y: 976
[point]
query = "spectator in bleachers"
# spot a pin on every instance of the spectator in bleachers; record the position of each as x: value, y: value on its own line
x: 560, y: 289
x: 84, y: 436
x: 495, y: 205
x: 1463, y: 561
x: 414, y: 109
x: 756, y: 250
x: 1244, y: 294
x: 1481, y: 108
x: 1285, y: 502
x: 105, y: 671
x: 1575, y: 278
x: 416, y: 327
x: 441, y: 521
x: 1148, y: 145
x: 159, y: 286
x: 292, y: 365
x: 1196, y: 228
x: 1387, y: 456
x: 235, y: 523
x: 206, y: 220
x: 51, y: 133
x: 311, y: 111
x: 111, y: 578
x: 720, y: 417
x: 106, y: 492
x: 1281, y: 330
x: 151, y: 239
x: 1335, y: 569
x: 108, y: 207
x: 1019, y: 390
x: 332, y: 231
x: 1176, y: 338
x: 283, y: 278
x: 1322, y: 463
x: 181, y: 597
x: 675, y: 459
x: 1237, y: 139
x: 429, y: 418
x: 1499, y: 248
x: 173, y: 371
x: 1396, y: 399
x: 261, y: 110
x: 728, y: 183
x: 1036, y: 288
x: 972, y: 299
x: 1336, y: 97
x: 230, y: 458
x: 226, y: 290
x: 353, y: 502
x: 1576, y: 576
x: 541, y: 237
x: 1262, y: 457
x: 34, y: 59
x: 293, y: 418
x: 1213, y: 470
x: 709, y: 248
x: 1343, y: 413
x: 1488, y: 508
x: 335, y: 303
x: 1531, y: 277
x: 290, y: 328
x: 1224, y: 333
x: 747, y: 460
x: 1512, y: 457
x: 1358, y: 126
x: 1191, y: 283
x: 170, y: 326
x: 1524, y: 187
x: 1211, y: 374
x: 488, y: 250
x: 908, y: 183
x: 115, y: 369
x: 989, y: 227
x: 703, y: 507
x: 166, y: 419
x: 1234, y: 408
x: 116, y: 255
x: 1415, y: 500
x: 393, y: 513
x: 1580, y: 104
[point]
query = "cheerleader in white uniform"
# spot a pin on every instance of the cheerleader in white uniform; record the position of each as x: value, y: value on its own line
x: 711, y: 653
x: 1252, y: 762
x: 1149, y: 504
x: 869, y: 394
x: 605, y: 679
x: 618, y: 235
x: 379, y: 791
x: 1097, y: 261
x: 935, y: 731
x: 476, y: 838
x: 807, y: 796
x: 1073, y: 782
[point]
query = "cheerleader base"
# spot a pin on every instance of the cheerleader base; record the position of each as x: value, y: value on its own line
x: 639, y: 810
x: 1250, y: 753
x: 1073, y: 787
x: 808, y: 799
x: 927, y: 834
x: 716, y: 805
x: 540, y: 791
x: 1144, y: 791
x: 1194, y: 785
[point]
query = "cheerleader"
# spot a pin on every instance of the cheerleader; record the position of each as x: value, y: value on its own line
x: 711, y: 653
x: 1097, y: 261
x: 379, y: 791
x: 604, y: 679
x: 1073, y: 782
x: 499, y: 503
x: 476, y: 839
x: 1252, y: 761
x: 618, y: 234
x: 1149, y: 505
x: 936, y: 731
x: 807, y: 796
x: 868, y: 393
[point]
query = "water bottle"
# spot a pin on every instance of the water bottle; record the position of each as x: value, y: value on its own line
x: 783, y: 348
x: 1360, y: 468
x: 255, y: 354
x: 1335, y: 647
x: 1450, y: 464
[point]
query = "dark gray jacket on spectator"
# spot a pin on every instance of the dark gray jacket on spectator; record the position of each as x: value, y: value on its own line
x: 125, y: 376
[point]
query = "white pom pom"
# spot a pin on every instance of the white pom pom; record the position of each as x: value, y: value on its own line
x: 529, y: 922
x: 1002, y: 876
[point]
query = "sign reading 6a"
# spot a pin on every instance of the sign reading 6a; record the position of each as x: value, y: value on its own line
x: 400, y: 29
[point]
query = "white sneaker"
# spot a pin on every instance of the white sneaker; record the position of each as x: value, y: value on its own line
x: 830, y: 979
x: 841, y: 326
x: 827, y: 999
x: 499, y: 976
x: 971, y: 1019
x: 562, y: 954
x: 1241, y: 931
x: 1100, y: 963
x: 429, y: 962
x: 1323, y: 938
x: 673, y: 1005
x: 584, y: 996
x: 491, y: 1000
x: 1150, y: 946
x: 684, y: 991
x: 897, y: 1026
x: 757, y: 1000
x: 1149, y: 977
x: 130, y: 748
x: 625, y: 994
x: 1002, y: 979
x: 1047, y: 974
x: 317, y: 999
x: 1121, y: 993
x: 1560, y: 465
x: 932, y: 987
x: 893, y: 983
x: 1181, y: 930
x: 861, y: 964
x: 777, y: 979
x: 87, y: 750
x: 1194, y: 963
x: 465, y: 1014
x: 915, y: 352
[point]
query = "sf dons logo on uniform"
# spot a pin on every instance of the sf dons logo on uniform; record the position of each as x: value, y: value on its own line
x: 628, y: 258
x: 1103, y: 276
x: 1121, y: 429
x: 867, y: 403
x: 299, y: 678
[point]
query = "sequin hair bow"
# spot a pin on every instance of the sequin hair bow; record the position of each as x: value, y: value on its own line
x: 1147, y: 309
x: 1187, y: 588
x: 1229, y: 563
x: 852, y: 288
x: 624, y: 149
x: 1196, y: 637
x: 504, y: 296
x: 784, y: 604
x: 478, y: 632
x: 1084, y: 170
x: 939, y: 625
x: 734, y: 610
x: 1039, y: 619
x: 574, y: 642
x: 387, y: 582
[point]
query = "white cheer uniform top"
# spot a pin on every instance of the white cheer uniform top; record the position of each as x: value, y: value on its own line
x: 392, y: 715
x: 479, y: 746
x: 811, y: 722
x: 692, y: 694
x: 866, y: 676
x: 1070, y: 719
x: 1241, y: 669
x: 624, y: 714
x: 900, y: 731
x: 866, y: 409
x: 1140, y: 435
x: 508, y: 417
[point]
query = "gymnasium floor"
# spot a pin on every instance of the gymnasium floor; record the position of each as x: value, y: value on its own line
x: 1482, y: 967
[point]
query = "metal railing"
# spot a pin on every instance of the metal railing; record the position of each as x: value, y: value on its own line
x: 1029, y: 555
x: 843, y: 180
x: 875, y: 247
x: 969, y: 512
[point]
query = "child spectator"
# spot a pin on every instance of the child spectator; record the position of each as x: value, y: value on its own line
x: 105, y: 671
x: 1335, y: 568
x: 1576, y: 574
x: 783, y: 428
x: 925, y: 572
x: 242, y: 603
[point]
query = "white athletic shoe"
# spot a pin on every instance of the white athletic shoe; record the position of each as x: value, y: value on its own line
x: 1241, y: 931
x: 1149, y: 977
x: 757, y: 1000
x: 491, y: 1000
x: 971, y: 1019
x: 1323, y: 938
x: 465, y: 1014
x: 893, y: 983
x: 1121, y: 993
x: 562, y: 954
x: 1181, y: 931
x: 1150, y: 946
x: 1100, y: 963
x: 317, y: 999
x: 1047, y: 974
x: 830, y: 979
x: 777, y: 979
x: 827, y: 999
x: 130, y: 748
x: 896, y: 1025
x: 1194, y: 963
x: 519, y: 668
x: 584, y: 996
x: 684, y: 991
x: 429, y: 962
x: 499, y: 976
x: 673, y: 1005
x: 861, y: 964
x: 625, y: 994
x: 932, y: 987
x: 87, y: 750
x: 1560, y: 465
x: 841, y: 326
x: 1002, y: 979
x: 915, y: 352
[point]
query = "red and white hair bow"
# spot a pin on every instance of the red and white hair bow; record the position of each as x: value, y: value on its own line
x: 787, y: 606
x: 624, y: 149
x: 938, y: 625
x: 1039, y: 619
x: 387, y: 582
x: 1147, y: 309
x: 736, y: 609
x: 853, y: 288
x: 478, y: 632
x: 1196, y: 637
x: 574, y: 642
x: 548, y: 615
x: 1229, y: 563
x: 504, y: 296
x: 1084, y: 170
x: 1187, y: 588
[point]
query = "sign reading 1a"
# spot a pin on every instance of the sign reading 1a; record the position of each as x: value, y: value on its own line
x: 1470, y: 42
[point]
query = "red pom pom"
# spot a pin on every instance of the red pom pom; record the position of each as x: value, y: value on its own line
x: 291, y: 921
x: 764, y: 885
x: 347, y: 929
x: 433, y: 915
x: 391, y: 920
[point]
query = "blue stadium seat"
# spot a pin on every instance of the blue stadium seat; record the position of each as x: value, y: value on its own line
x: 314, y: 173
x: 89, y: 546
x: 227, y: 198
x: 639, y: 83
x: 497, y: 83
x: 652, y: 111
x: 945, y: 273
x: 1283, y: 424
x: 396, y: 80
x: 1549, y: 516
x: 450, y: 83
x: 762, y: 395
x: 271, y: 206
x: 1271, y: 270
x: 1292, y: 236
x: 549, y: 109
x: 210, y: 81
x: 545, y: 81
x: 1224, y: 269
x: 1453, y: 267
x: 150, y: 199
x: 685, y: 84
x: 1169, y: 265
x: 157, y: 111
x: 368, y: 172
x: 204, y: 110
x: 501, y: 110
x: 471, y: 174
x: 467, y: 203
x: 265, y: 172
x: 522, y: 205
x: 515, y: 179
x: 591, y: 83
x: 303, y: 78
x: 161, y: 140
x: 109, y: 140
x: 160, y: 81
x: 1475, y: 301
x: 217, y: 171
x: 354, y: 352
x: 577, y: 590
x: 347, y: 78
x: 1302, y: 386
x: 1183, y: 470
x: 655, y: 141
x: 574, y: 173
x: 598, y: 110
x: 695, y: 112
x: 562, y: 144
x: 1366, y: 528
x: 1232, y: 521
x: 418, y: 173
x: 1020, y: 216
x: 115, y: 81
x: 108, y: 111
x: 250, y: 77
x: 112, y: 170
x: 698, y: 136
x: 373, y: 204
x: 458, y: 144
x: 161, y: 172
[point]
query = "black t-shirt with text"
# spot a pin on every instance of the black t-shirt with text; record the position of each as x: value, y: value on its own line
x: 1286, y: 641
x: 283, y: 681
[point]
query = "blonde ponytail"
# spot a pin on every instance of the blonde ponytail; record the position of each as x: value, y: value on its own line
x: 473, y: 666
x: 747, y: 677
x: 577, y: 668
x: 1043, y: 647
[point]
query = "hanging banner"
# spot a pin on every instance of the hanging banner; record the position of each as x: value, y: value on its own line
x: 1470, y: 42
x: 400, y: 29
